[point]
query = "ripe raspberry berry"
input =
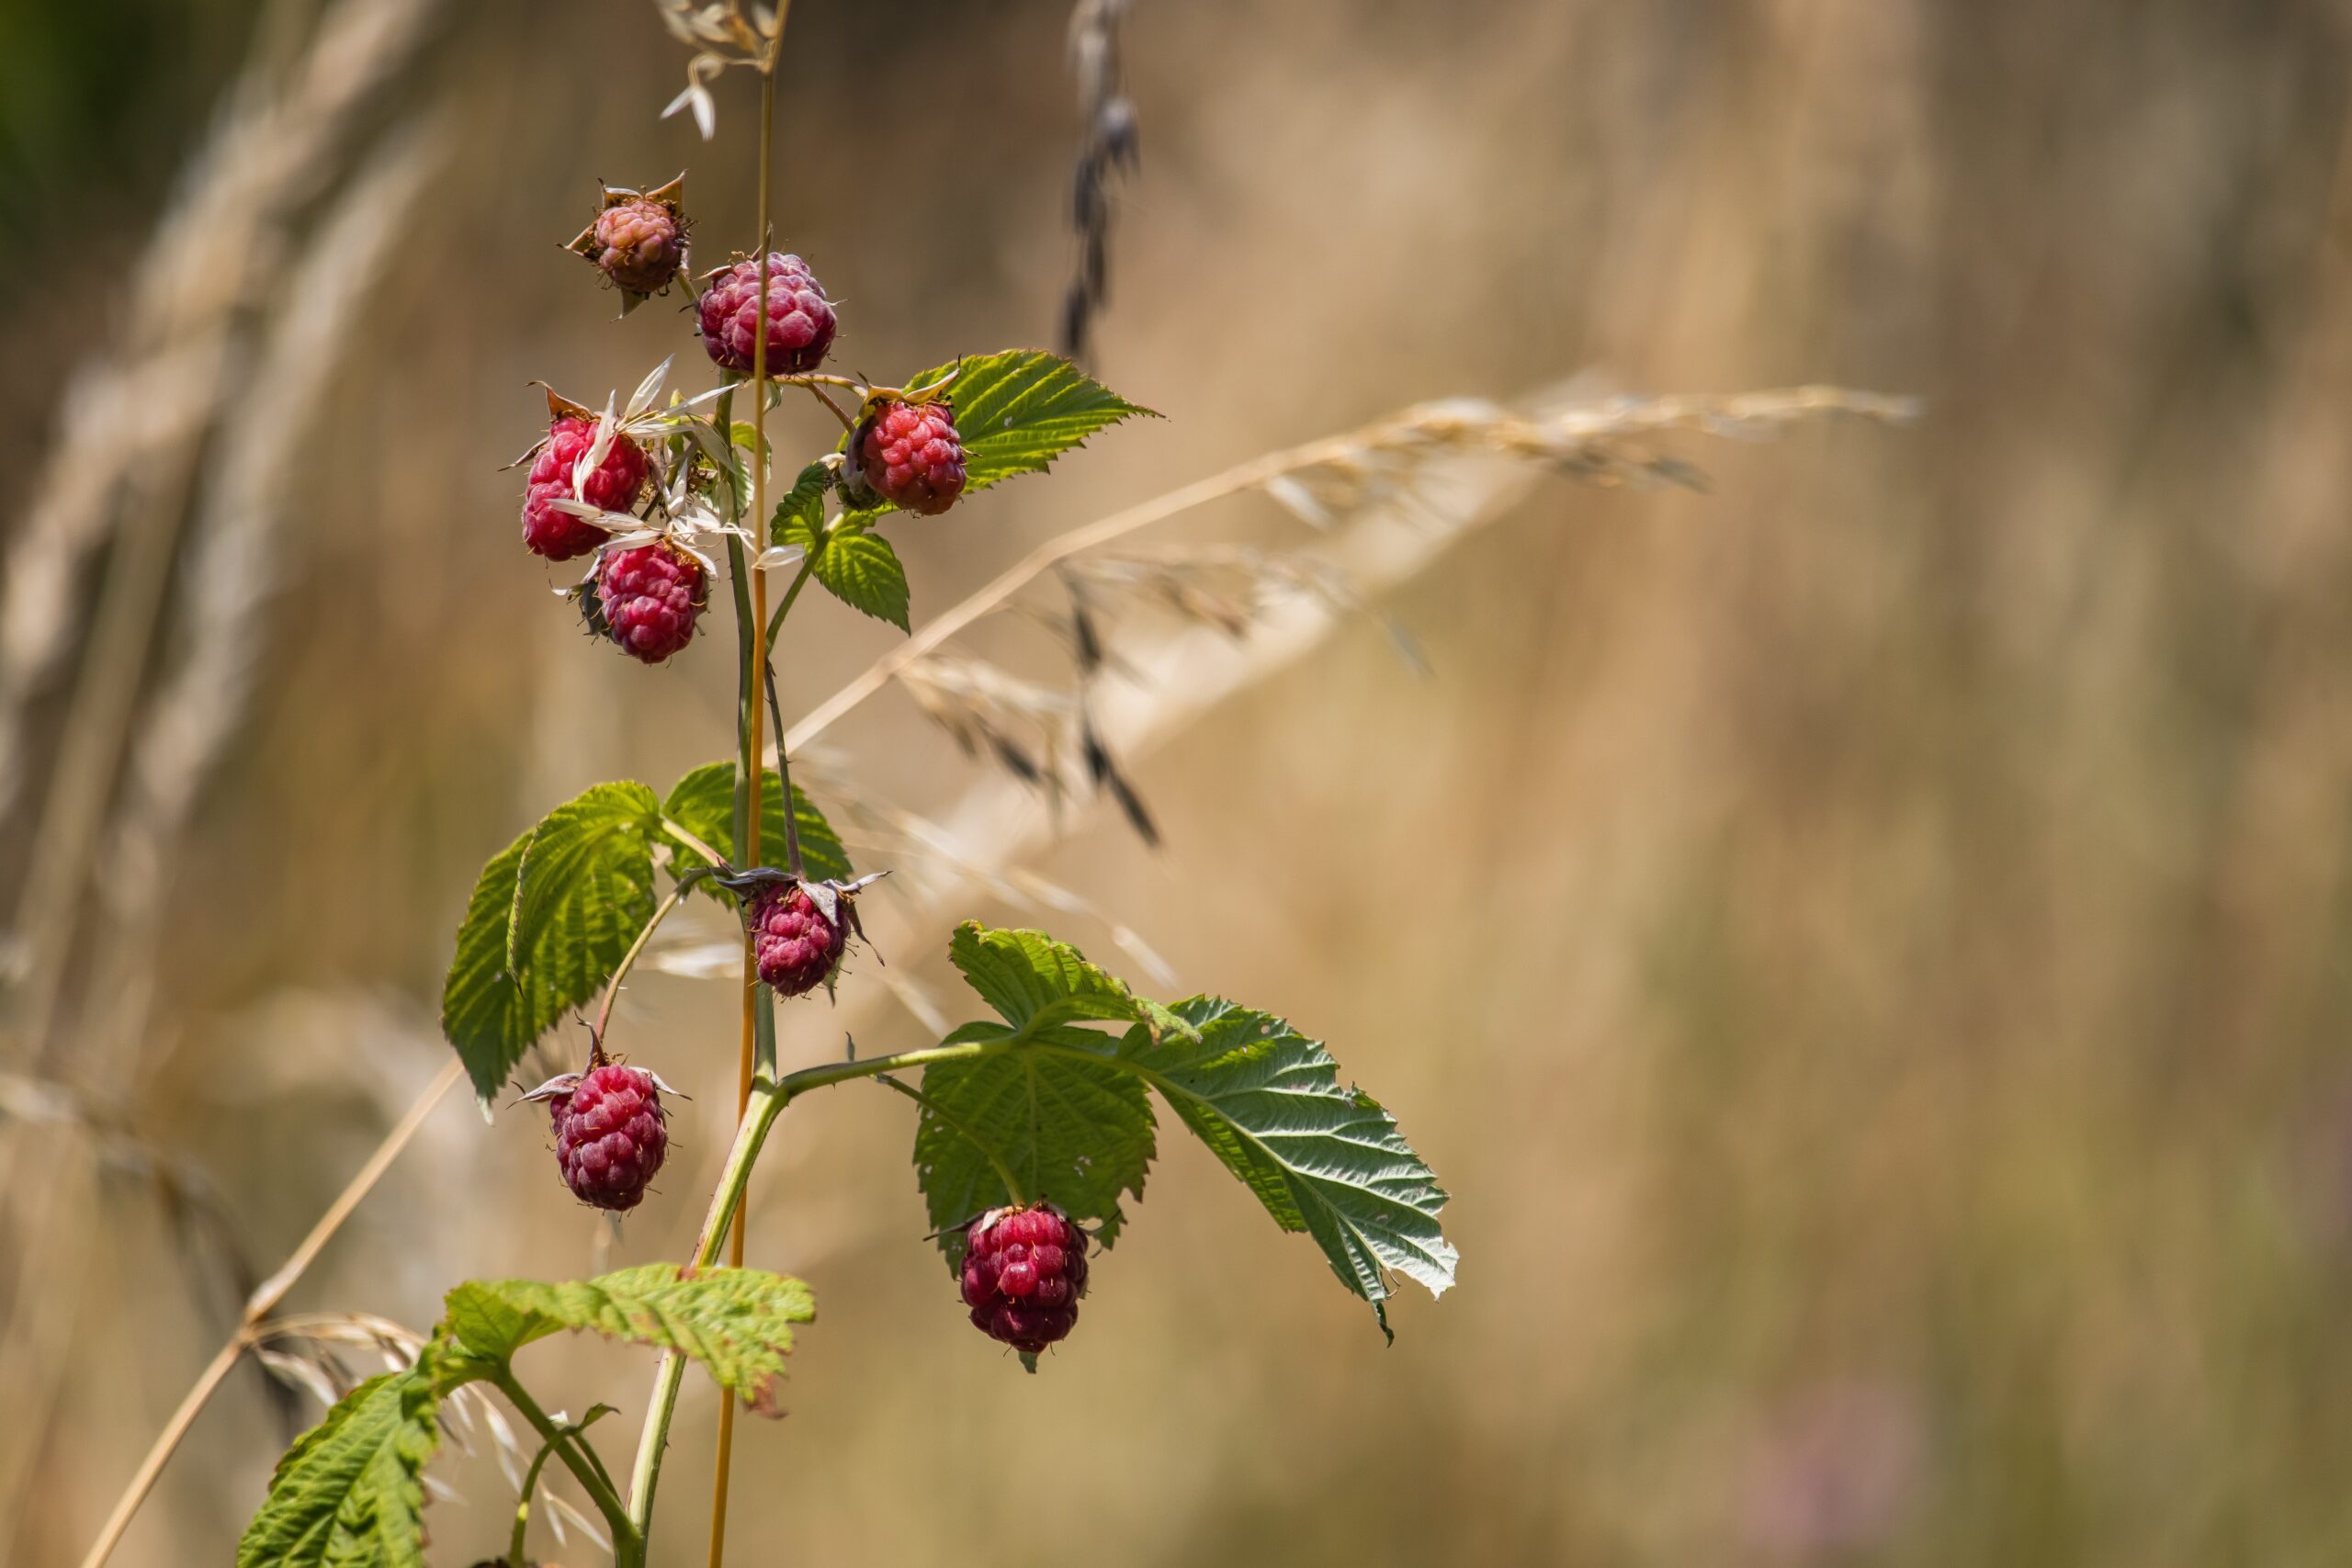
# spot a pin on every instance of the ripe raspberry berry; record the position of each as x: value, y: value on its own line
x: 1024, y: 1271
x: 609, y: 1135
x: 797, y: 945
x: 613, y: 485
x: 911, y: 456
x: 651, y: 597
x: 800, y: 320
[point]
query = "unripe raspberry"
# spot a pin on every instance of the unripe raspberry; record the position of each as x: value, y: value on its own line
x: 798, y: 946
x: 651, y: 597
x: 638, y: 240
x: 609, y: 1135
x: 800, y: 320
x: 1024, y: 1271
x: 613, y: 485
x: 911, y: 456
x: 640, y: 243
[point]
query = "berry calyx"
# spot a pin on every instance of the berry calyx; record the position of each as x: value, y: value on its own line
x: 638, y: 240
x: 911, y: 456
x: 797, y: 943
x: 651, y: 597
x: 800, y: 320
x: 613, y: 485
x: 610, y: 1135
x: 1024, y: 1269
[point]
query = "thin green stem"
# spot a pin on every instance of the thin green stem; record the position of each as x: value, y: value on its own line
x: 520, y: 1539
x: 654, y: 1440
x: 784, y: 779
x: 809, y: 565
x: 948, y: 1118
x: 718, y: 861
x: 769, y: 1097
x: 826, y: 1073
x: 629, y: 959
x: 629, y: 1541
x: 825, y: 398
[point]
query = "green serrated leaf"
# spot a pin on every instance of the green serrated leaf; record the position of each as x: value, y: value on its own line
x: 1017, y: 411
x: 863, y: 572
x: 801, y: 512
x: 704, y: 805
x: 1048, y: 1104
x: 1034, y: 981
x: 1322, y: 1158
x: 736, y: 1322
x: 483, y: 1013
x: 1020, y: 972
x: 590, y: 858
x: 549, y: 920
x: 351, y: 1491
x: 1073, y: 1127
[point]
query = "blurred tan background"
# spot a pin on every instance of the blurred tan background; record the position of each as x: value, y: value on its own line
x: 1864, y: 946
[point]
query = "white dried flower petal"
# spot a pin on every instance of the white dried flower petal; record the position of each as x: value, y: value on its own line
x: 647, y: 390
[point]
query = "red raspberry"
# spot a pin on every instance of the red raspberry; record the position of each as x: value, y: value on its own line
x: 613, y: 485
x: 609, y: 1136
x: 912, y: 457
x: 797, y: 945
x: 1024, y: 1271
x: 650, y: 596
x: 638, y: 243
x: 800, y: 320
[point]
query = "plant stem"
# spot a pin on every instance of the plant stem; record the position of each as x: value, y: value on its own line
x: 784, y: 778
x: 948, y: 1118
x: 629, y: 959
x: 747, y: 780
x: 718, y: 861
x: 769, y: 1097
x: 629, y: 1546
x: 518, y: 1541
x: 775, y: 622
x: 222, y: 1364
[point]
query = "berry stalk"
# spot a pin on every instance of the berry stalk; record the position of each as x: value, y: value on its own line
x: 560, y: 1440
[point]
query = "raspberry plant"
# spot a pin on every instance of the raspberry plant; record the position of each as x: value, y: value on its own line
x: 1035, y: 1125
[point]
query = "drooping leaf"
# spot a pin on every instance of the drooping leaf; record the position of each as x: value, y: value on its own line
x: 549, y: 920
x: 351, y: 1492
x: 1074, y: 1130
x: 1017, y: 411
x: 863, y: 572
x: 736, y: 1322
x: 1047, y: 1103
x: 1322, y: 1158
x: 704, y: 805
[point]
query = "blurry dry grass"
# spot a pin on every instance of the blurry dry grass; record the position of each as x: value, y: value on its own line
x: 1889, y: 1055
x: 236, y: 323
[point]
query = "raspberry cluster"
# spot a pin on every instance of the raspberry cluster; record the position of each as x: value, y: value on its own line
x: 1023, y: 1270
x: 610, y: 1136
x: 911, y: 456
x: 798, y: 946
x: 613, y: 485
